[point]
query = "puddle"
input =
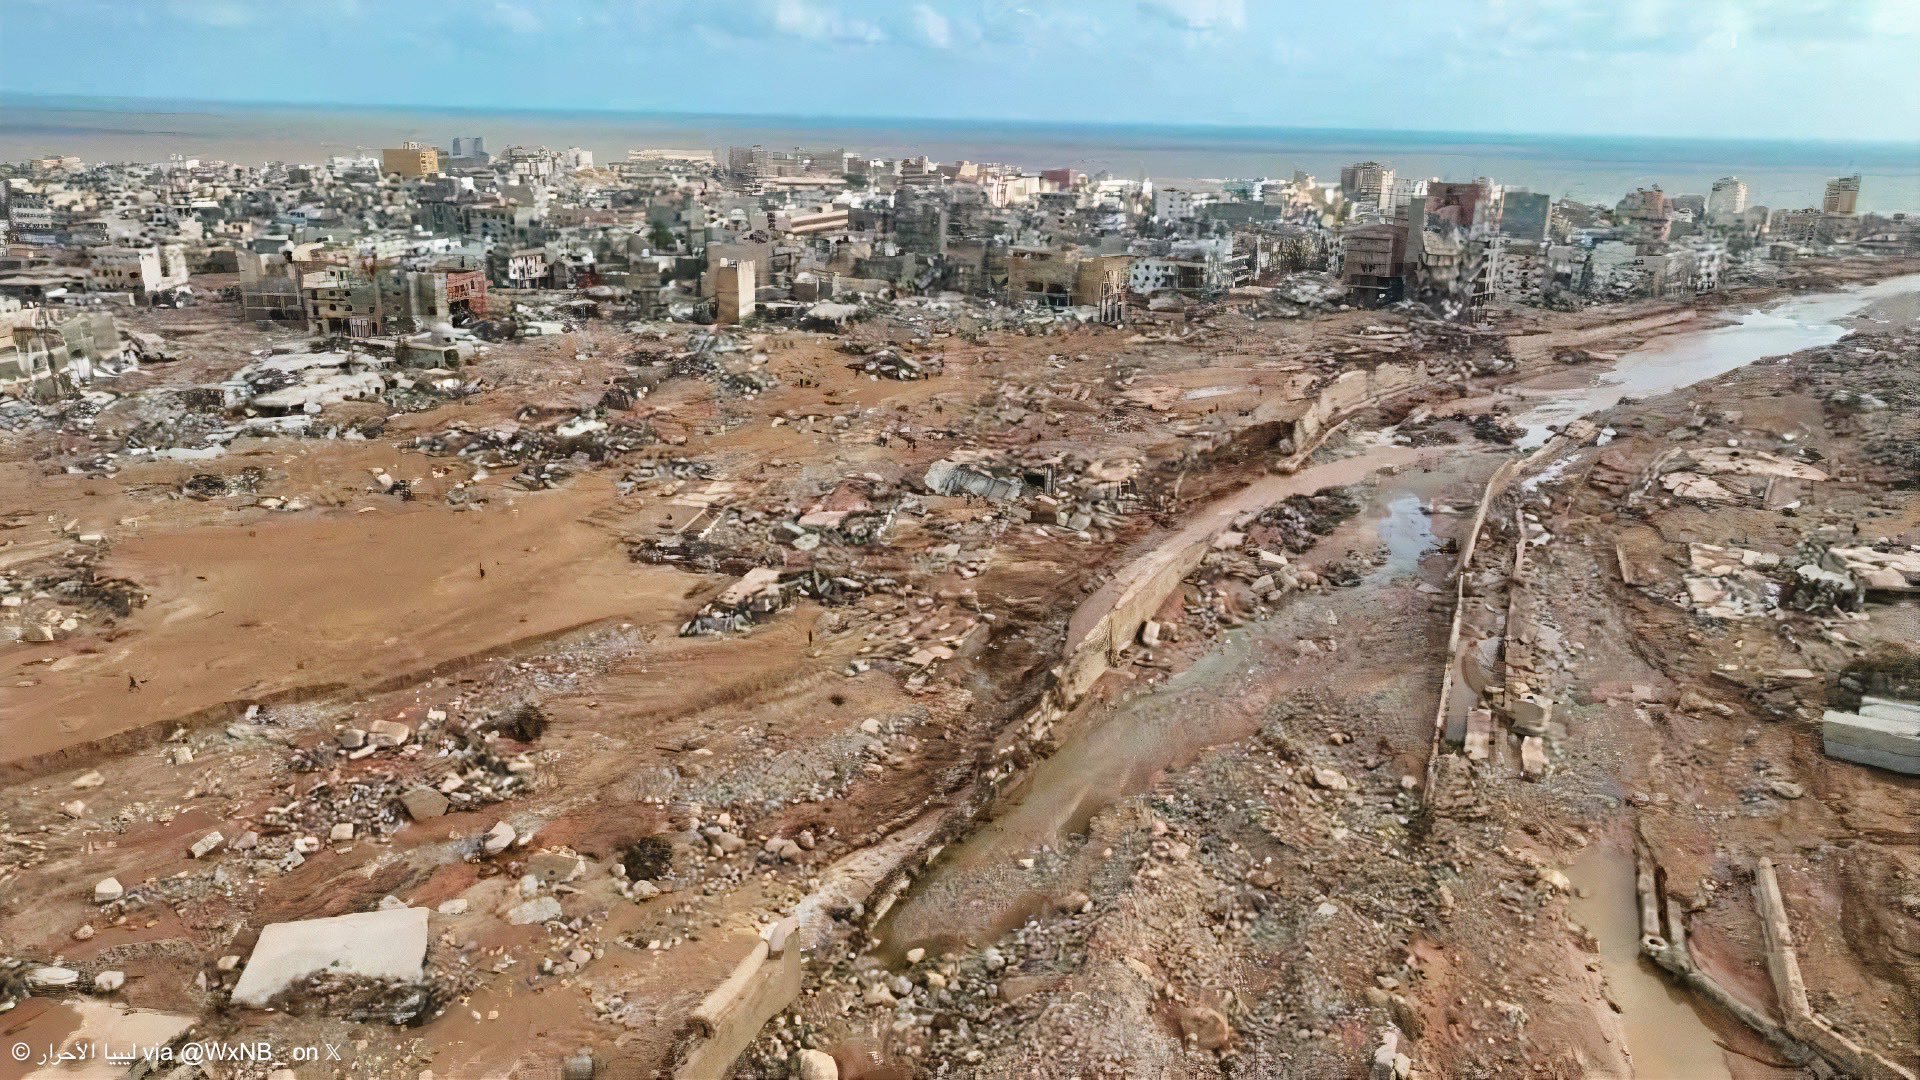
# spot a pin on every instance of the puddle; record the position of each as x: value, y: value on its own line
x: 1408, y: 534
x: 1665, y: 1034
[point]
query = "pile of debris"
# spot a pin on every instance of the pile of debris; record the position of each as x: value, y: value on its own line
x: 763, y: 591
x: 890, y: 363
x: 582, y: 439
x: 49, y: 599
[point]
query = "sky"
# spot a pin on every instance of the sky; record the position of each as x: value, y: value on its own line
x: 1794, y: 69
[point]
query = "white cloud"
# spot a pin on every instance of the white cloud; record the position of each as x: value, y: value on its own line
x: 1202, y: 16
x: 819, y: 22
x: 514, y: 17
x: 934, y: 27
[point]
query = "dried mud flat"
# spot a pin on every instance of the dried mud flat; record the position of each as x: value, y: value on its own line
x: 1222, y: 857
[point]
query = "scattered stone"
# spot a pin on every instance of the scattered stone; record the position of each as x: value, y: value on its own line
x: 108, y: 890
x: 206, y: 845
x: 108, y: 981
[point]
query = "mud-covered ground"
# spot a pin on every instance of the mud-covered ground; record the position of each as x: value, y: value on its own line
x: 1249, y: 875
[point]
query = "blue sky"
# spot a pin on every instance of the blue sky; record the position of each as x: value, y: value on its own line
x: 1839, y: 69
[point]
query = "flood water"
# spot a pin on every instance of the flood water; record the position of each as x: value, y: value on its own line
x: 1665, y: 1035
x: 1678, y: 360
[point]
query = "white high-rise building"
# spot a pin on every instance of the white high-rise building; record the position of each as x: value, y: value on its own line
x: 1727, y: 200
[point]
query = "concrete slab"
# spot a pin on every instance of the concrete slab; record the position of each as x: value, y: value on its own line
x: 389, y: 944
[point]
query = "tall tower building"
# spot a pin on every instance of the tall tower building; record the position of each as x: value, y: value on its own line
x: 1727, y: 200
x: 1843, y: 194
x: 1367, y: 181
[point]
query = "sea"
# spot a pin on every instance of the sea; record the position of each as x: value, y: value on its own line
x: 1779, y: 174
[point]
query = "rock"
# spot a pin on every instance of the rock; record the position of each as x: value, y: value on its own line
x: 230, y: 962
x: 539, y: 909
x: 1073, y: 902
x: 108, y: 981
x: 455, y: 906
x: 388, y: 733
x: 644, y: 890
x: 816, y: 1065
x: 916, y: 954
x: 497, y: 839
x: 74, y: 809
x: 878, y: 995
x: 89, y: 779
x: 1330, y: 779
x: 372, y: 944
x: 246, y: 841
x: 350, y: 738
x: 556, y: 866
x: 578, y: 1067
x: 341, y: 832
x: 1786, y: 789
x: 422, y: 803
x: 52, y: 978
x: 206, y: 845
x: 108, y: 890
x: 83, y: 932
x: 1554, y: 879
x: 992, y: 958
x: 1205, y: 1028
x: 1015, y: 987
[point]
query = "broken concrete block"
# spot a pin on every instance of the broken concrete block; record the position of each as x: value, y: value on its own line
x: 388, y: 944
x: 1530, y: 714
x: 388, y: 733
x: 1533, y: 757
x: 816, y: 1065
x: 206, y: 845
x: 1150, y: 634
x: 52, y: 978
x: 108, y: 890
x: 422, y: 803
x: 498, y: 838
x: 341, y: 832
x: 89, y: 779
x: 539, y: 909
x: 108, y: 981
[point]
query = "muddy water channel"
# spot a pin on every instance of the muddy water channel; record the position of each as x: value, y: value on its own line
x: 978, y: 888
x: 1665, y: 1034
x: 1677, y: 360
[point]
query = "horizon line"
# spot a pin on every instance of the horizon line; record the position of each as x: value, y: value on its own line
x: 853, y: 118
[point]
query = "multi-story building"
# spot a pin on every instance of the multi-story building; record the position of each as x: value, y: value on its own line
x: 1182, y: 200
x: 1843, y: 195
x: 1727, y: 200
x: 1373, y: 261
x: 411, y: 160
x: 146, y: 272
x: 1367, y: 181
x: 1524, y: 215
